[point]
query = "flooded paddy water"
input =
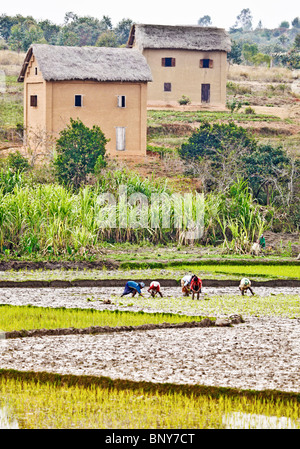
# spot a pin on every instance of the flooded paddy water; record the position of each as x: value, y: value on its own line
x: 263, y: 353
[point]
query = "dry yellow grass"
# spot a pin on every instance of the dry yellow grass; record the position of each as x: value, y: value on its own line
x: 11, y: 62
x: 262, y: 74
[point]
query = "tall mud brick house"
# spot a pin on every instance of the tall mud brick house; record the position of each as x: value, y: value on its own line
x: 100, y: 86
x: 184, y: 60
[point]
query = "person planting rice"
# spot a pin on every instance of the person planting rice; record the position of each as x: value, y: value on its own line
x: 196, y: 286
x: 245, y: 285
x: 154, y: 288
x: 186, y: 284
x: 133, y: 288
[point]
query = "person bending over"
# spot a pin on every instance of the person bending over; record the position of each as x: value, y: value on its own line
x: 245, y: 285
x: 186, y: 284
x: 196, y: 286
x: 154, y: 289
x: 133, y: 288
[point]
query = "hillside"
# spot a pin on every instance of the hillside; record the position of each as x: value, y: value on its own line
x: 271, y: 110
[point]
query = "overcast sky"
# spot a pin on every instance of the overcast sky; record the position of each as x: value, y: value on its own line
x: 187, y: 12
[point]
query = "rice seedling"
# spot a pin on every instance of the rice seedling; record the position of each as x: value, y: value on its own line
x: 29, y: 317
x: 253, y: 271
x: 35, y: 404
x: 212, y: 305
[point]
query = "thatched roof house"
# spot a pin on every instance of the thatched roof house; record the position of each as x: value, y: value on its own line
x: 185, y: 61
x: 179, y: 37
x: 100, y: 86
x: 58, y: 63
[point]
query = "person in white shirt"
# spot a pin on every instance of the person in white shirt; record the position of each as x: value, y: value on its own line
x: 245, y: 285
x: 186, y: 284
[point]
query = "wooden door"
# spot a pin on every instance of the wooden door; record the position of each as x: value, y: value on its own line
x: 205, y: 93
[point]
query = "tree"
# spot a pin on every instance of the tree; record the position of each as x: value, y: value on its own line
x: 221, y: 154
x: 205, y: 21
x: 122, y: 30
x: 284, y: 24
x: 249, y: 51
x: 261, y: 59
x: 235, y: 54
x: 6, y: 24
x: 50, y: 31
x: 297, y: 42
x: 259, y: 25
x: 70, y: 17
x: 107, y: 21
x: 244, y: 20
x: 107, y: 39
x: 79, y: 149
x: 25, y: 33
x: 216, y: 149
x: 261, y: 167
x: 296, y: 22
x: 67, y: 37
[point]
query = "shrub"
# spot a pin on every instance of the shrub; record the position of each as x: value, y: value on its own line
x: 184, y: 100
x: 249, y: 110
x: 234, y: 105
x: 78, y: 150
x: 17, y: 162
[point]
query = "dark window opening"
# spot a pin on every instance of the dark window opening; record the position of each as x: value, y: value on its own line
x: 78, y: 100
x: 167, y: 87
x: 35, y: 70
x: 168, y: 62
x: 121, y: 101
x: 33, y: 100
x: 206, y: 63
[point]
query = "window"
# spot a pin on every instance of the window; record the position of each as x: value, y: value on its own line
x: 168, y: 62
x: 120, y: 138
x: 121, y: 101
x: 206, y: 63
x: 33, y: 100
x: 78, y: 100
x: 167, y: 87
x: 35, y: 71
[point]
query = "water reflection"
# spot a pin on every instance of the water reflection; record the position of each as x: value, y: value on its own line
x: 6, y: 422
x: 239, y: 420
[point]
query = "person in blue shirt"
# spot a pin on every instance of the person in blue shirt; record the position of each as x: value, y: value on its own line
x: 133, y: 288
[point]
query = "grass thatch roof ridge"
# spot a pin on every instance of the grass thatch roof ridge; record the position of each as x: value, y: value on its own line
x: 60, y: 63
x: 183, y: 37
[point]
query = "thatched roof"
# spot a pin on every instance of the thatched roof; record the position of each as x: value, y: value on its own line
x: 179, y: 37
x: 58, y: 63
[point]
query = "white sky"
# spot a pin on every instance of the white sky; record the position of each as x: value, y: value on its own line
x: 185, y: 12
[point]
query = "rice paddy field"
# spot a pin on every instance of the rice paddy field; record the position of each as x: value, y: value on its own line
x: 137, y: 379
x: 55, y: 405
x: 163, y: 271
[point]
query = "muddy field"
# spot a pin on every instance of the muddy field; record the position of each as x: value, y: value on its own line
x: 261, y: 353
x: 95, y: 297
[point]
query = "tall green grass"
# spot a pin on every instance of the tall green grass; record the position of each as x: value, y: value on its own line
x: 51, y: 219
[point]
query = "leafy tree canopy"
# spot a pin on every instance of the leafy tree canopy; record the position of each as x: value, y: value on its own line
x: 205, y: 21
x: 79, y: 150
